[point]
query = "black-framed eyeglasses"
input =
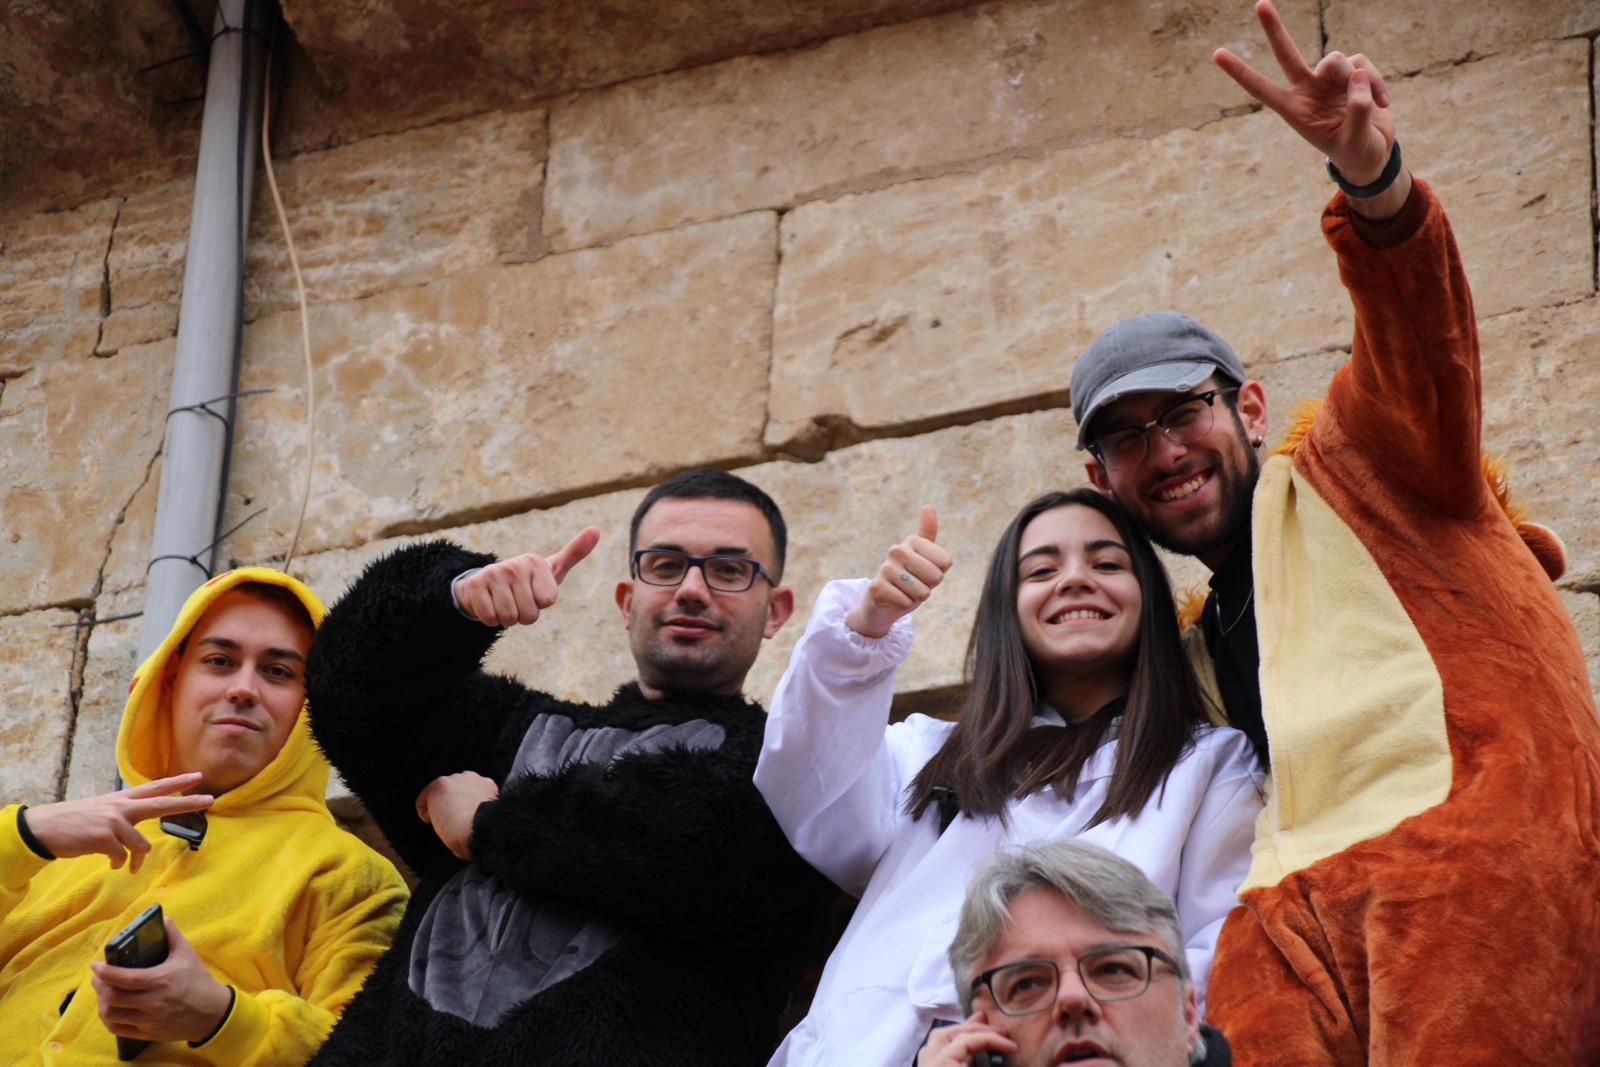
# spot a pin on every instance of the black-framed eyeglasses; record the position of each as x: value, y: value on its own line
x: 1183, y: 422
x: 1116, y: 972
x: 725, y: 574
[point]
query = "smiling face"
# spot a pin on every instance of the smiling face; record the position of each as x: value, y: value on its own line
x: 690, y: 638
x: 1078, y: 606
x: 1154, y: 1029
x: 236, y: 689
x: 1191, y: 498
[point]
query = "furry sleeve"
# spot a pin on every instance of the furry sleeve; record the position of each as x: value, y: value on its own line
x: 676, y: 841
x: 1409, y: 401
x: 397, y: 697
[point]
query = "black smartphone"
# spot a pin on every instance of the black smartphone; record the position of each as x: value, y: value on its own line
x: 142, y: 943
x: 985, y: 1058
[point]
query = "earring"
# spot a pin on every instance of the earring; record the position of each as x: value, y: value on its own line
x: 1257, y: 441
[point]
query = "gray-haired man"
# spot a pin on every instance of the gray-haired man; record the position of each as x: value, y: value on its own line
x: 1066, y: 953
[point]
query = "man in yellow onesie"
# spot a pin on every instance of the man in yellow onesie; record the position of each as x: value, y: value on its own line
x: 274, y: 916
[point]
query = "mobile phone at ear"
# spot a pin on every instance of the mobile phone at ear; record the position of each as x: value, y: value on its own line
x: 985, y: 1058
x: 142, y: 943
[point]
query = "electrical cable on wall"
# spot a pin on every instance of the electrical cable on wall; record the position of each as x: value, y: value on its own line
x: 300, y: 290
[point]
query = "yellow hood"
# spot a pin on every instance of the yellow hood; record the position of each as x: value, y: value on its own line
x: 297, y: 775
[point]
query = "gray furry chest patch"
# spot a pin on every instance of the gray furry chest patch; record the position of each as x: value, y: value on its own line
x: 482, y: 948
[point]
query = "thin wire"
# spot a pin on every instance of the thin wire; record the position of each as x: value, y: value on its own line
x: 305, y: 326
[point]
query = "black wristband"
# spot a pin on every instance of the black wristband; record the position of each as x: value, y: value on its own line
x: 233, y: 997
x: 1391, y: 171
x: 34, y: 844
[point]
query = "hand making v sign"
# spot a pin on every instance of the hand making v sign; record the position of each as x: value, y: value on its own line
x: 1340, y: 107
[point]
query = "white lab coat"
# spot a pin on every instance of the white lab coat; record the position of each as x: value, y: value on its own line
x: 834, y: 772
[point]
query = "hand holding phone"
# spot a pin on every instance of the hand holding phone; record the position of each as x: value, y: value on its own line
x: 142, y: 943
x: 155, y: 987
x: 973, y: 1043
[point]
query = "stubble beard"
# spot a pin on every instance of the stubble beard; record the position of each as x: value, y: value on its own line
x: 711, y: 666
x: 1231, y: 524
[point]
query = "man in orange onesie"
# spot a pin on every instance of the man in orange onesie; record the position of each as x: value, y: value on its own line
x: 1425, y: 884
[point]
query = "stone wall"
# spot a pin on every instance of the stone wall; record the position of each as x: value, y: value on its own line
x: 851, y: 260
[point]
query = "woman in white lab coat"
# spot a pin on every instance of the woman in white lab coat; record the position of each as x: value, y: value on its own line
x: 1081, y: 719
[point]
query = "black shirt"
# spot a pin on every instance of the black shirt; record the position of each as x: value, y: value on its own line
x: 1229, y: 624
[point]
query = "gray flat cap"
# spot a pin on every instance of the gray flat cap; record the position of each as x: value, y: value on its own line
x: 1160, y: 352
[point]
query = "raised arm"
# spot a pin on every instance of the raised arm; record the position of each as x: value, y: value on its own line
x: 1410, y: 398
x: 396, y: 693
x: 1340, y: 107
x: 351, y: 916
x: 828, y: 770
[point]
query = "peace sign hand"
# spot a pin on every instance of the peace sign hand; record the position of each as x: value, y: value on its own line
x: 108, y: 823
x: 1341, y: 107
x: 908, y: 576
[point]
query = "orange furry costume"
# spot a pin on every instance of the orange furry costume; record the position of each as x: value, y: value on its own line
x: 1425, y: 885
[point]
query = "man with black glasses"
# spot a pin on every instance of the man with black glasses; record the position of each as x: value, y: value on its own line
x: 598, y: 884
x: 1379, y: 625
x: 1066, y: 952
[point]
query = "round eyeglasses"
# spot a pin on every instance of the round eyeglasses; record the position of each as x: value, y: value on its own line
x: 1117, y: 972
x: 723, y: 574
x: 1184, y: 422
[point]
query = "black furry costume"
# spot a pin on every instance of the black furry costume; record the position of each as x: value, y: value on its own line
x: 629, y: 887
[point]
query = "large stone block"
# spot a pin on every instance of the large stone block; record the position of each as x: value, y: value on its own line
x: 36, y: 652
x: 76, y: 440
x: 130, y: 543
x: 79, y: 102
x: 493, y: 389
x: 843, y: 514
x: 1585, y: 611
x: 956, y: 294
x: 1408, y: 37
x: 108, y: 667
x: 881, y: 107
x: 384, y: 213
x: 1541, y: 390
x: 391, y: 64
x: 52, y: 266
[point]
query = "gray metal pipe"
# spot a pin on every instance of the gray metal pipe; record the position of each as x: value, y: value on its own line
x: 195, y: 457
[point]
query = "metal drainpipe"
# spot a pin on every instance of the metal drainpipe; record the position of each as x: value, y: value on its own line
x: 194, y: 461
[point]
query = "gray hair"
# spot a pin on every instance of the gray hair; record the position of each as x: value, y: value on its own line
x: 1105, y: 887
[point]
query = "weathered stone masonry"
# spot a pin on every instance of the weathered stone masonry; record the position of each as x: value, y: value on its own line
x: 848, y: 249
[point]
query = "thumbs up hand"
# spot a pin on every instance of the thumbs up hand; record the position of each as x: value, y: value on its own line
x: 908, y: 576
x: 516, y: 590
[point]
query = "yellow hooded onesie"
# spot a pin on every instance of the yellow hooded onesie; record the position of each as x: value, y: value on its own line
x: 279, y: 902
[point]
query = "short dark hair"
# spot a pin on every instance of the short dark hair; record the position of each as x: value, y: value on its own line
x: 705, y: 483
x: 272, y: 593
x: 284, y: 598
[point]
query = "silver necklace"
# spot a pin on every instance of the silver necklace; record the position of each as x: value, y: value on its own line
x: 1228, y: 628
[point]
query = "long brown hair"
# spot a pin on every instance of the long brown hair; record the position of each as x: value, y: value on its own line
x: 995, y: 754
